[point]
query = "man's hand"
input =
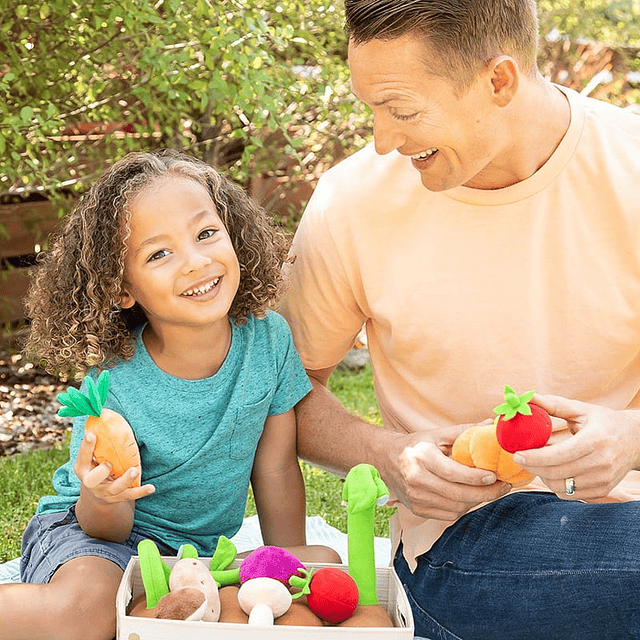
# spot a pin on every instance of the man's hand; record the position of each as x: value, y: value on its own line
x: 95, y: 478
x: 422, y: 476
x: 605, y: 445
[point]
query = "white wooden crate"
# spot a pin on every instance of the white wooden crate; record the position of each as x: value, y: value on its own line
x: 390, y: 593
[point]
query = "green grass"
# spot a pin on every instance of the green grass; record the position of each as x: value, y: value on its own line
x: 26, y: 477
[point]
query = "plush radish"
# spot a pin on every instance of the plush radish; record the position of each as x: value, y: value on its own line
x: 521, y: 424
x: 115, y: 441
x: 270, y: 562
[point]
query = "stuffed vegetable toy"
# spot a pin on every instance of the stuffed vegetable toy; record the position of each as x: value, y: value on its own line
x: 519, y: 425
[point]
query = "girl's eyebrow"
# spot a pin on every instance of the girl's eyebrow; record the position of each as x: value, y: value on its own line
x: 195, y: 220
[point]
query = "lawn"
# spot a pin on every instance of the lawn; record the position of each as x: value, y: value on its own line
x: 26, y: 477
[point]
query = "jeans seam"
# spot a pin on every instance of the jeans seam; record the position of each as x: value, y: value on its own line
x: 439, y: 628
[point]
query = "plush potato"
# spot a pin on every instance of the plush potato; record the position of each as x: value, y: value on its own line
x: 138, y: 608
x: 299, y: 614
x: 371, y: 615
x: 230, y: 609
x: 478, y: 447
x: 190, y: 573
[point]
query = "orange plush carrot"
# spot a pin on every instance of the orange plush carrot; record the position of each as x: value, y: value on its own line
x: 478, y: 447
x: 115, y: 442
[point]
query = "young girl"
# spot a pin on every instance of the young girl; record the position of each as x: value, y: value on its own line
x: 163, y: 274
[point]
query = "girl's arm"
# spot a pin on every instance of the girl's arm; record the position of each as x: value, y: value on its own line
x: 106, y: 507
x: 278, y: 487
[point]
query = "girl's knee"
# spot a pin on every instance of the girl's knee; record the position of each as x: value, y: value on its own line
x: 86, y: 592
x: 321, y: 554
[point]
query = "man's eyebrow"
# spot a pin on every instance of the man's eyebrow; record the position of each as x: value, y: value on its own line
x: 386, y: 99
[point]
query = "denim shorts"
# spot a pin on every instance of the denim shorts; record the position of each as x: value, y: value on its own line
x: 52, y: 539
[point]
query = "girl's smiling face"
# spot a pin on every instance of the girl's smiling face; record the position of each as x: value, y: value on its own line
x: 180, y: 265
x: 451, y: 139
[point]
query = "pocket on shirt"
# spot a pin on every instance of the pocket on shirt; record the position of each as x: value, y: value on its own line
x: 248, y: 428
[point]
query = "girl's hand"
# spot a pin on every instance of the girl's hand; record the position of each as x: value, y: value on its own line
x: 96, y: 480
x: 605, y: 445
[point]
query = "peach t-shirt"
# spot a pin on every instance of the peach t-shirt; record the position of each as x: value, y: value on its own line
x: 536, y: 285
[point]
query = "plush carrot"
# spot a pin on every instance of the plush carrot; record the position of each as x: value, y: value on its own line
x: 479, y: 447
x: 521, y: 424
x: 115, y: 442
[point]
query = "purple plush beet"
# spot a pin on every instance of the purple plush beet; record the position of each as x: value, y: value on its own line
x: 270, y: 562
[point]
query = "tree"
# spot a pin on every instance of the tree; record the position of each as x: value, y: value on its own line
x: 85, y: 82
x: 612, y: 22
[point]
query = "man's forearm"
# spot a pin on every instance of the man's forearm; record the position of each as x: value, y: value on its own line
x: 332, y: 438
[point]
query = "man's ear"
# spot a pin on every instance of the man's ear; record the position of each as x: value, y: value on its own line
x: 126, y: 299
x: 504, y: 75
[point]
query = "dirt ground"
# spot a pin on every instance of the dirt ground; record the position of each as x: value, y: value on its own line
x: 28, y: 406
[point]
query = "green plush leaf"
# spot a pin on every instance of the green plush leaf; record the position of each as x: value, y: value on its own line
x: 103, y: 387
x: 301, y: 583
x: 154, y: 572
x: 525, y: 397
x: 81, y: 401
x: 514, y: 404
x: 69, y: 412
x: 226, y: 577
x: 188, y: 551
x: 93, y: 396
x: 224, y: 554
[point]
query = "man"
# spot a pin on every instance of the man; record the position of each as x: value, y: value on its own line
x: 489, y: 236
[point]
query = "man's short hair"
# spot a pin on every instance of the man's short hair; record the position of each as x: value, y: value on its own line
x: 461, y: 36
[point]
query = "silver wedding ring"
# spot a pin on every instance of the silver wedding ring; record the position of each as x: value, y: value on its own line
x: 570, y: 486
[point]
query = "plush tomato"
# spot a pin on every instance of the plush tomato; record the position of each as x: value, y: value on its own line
x: 332, y: 594
x: 521, y: 424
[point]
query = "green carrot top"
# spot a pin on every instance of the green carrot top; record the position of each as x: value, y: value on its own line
x: 78, y: 404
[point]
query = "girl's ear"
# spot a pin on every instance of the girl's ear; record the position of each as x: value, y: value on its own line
x: 126, y: 299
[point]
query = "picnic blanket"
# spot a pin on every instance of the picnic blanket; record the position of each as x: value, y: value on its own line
x: 249, y: 537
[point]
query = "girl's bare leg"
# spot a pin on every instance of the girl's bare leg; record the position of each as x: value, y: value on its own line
x: 316, y: 553
x: 78, y: 604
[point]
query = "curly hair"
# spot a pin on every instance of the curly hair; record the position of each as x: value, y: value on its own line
x: 74, y: 297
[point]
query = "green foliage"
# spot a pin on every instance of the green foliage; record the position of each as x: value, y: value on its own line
x: 613, y: 22
x: 215, y: 78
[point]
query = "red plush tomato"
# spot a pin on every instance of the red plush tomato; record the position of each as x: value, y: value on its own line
x: 334, y: 595
x: 331, y: 593
x: 521, y: 424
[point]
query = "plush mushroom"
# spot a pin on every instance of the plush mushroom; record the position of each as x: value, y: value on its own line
x: 264, y: 599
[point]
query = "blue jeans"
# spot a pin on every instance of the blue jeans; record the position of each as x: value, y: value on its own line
x: 531, y: 567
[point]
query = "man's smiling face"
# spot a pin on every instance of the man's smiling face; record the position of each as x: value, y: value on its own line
x: 451, y: 139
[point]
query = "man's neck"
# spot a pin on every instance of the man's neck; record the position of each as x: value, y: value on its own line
x: 534, y: 127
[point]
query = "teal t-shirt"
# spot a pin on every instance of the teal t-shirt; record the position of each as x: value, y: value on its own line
x: 197, y: 438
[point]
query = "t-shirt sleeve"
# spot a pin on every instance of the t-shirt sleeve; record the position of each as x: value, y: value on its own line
x: 319, y: 302
x: 292, y: 382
